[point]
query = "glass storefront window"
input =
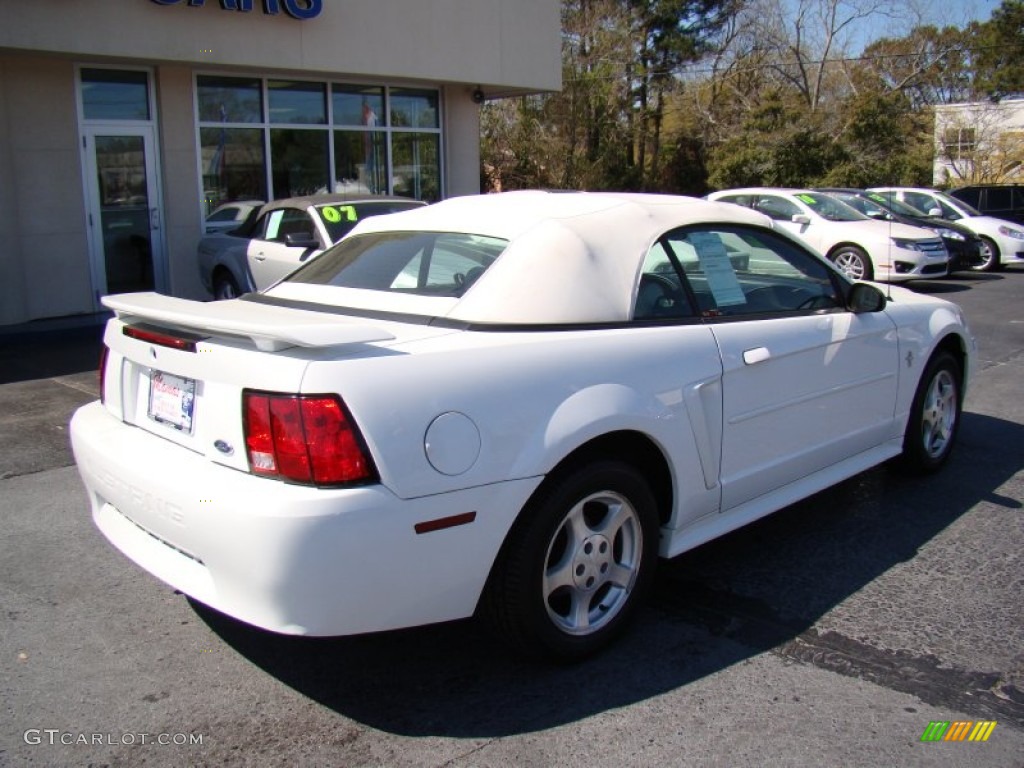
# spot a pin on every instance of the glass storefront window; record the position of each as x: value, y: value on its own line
x: 233, y: 165
x: 374, y: 139
x: 358, y: 105
x: 113, y: 94
x: 299, y: 161
x: 230, y: 100
x: 416, y: 161
x: 413, y: 108
x: 360, y: 162
x: 293, y: 103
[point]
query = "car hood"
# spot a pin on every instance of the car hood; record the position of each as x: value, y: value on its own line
x: 881, y: 230
x: 988, y: 224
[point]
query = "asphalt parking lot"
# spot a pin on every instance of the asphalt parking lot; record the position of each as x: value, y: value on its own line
x: 832, y: 633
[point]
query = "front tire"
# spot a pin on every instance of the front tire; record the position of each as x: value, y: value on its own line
x: 990, y: 260
x: 576, y: 564
x: 853, y: 262
x: 934, y: 416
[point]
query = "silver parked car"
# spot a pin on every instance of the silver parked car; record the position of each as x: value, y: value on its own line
x: 282, y: 236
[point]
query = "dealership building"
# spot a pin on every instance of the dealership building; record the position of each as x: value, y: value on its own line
x: 123, y: 123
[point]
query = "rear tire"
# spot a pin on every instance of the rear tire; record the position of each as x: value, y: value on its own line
x: 934, y: 416
x: 225, y: 287
x: 576, y: 564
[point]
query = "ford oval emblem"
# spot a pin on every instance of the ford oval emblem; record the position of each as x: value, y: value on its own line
x: 224, y: 447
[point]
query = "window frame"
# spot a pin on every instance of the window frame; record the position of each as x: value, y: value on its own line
x: 839, y: 284
x: 331, y: 130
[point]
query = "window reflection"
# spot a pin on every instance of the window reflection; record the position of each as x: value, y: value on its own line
x: 115, y: 95
x: 292, y: 102
x: 416, y: 165
x: 360, y: 162
x: 358, y: 105
x: 230, y: 100
x: 299, y: 161
x: 384, y: 140
x: 233, y: 165
x: 413, y: 108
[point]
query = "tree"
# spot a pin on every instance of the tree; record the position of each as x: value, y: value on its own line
x: 604, y: 130
x: 999, y: 51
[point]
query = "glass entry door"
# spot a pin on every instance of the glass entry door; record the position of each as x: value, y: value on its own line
x: 124, y: 210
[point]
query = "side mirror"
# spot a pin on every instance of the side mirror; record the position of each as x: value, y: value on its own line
x: 799, y: 218
x: 301, y: 240
x: 865, y: 298
x: 935, y: 213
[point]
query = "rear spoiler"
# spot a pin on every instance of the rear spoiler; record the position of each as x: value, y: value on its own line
x: 270, y: 328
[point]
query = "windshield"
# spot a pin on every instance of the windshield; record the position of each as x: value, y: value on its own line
x: 870, y: 208
x: 421, y: 263
x: 340, y: 218
x: 829, y: 208
x: 894, y: 205
x: 956, y: 203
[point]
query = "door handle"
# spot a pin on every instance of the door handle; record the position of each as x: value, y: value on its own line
x: 756, y: 355
x: 261, y: 256
x: 154, y: 218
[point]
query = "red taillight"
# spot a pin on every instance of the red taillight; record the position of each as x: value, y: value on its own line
x: 305, y: 439
x: 186, y: 342
x: 104, y: 351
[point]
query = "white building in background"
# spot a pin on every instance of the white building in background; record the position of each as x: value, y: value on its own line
x: 980, y: 142
x: 124, y: 122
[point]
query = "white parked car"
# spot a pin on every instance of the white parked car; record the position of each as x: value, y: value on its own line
x: 1002, y: 241
x: 510, y: 402
x: 282, y: 236
x: 230, y: 216
x: 863, y: 248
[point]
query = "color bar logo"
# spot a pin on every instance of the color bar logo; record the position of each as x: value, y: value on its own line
x: 959, y: 730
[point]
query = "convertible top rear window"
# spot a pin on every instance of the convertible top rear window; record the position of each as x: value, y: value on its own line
x: 421, y: 263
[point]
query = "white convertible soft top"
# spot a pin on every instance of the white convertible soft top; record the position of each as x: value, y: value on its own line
x: 573, y: 257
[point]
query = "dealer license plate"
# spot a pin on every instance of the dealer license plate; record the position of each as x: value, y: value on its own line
x: 172, y: 400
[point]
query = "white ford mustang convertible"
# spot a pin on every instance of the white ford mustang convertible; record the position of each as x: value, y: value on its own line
x: 511, y: 404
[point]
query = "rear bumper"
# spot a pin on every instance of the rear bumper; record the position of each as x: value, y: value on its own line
x: 282, y: 557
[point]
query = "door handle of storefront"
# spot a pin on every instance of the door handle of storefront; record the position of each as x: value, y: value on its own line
x: 154, y: 218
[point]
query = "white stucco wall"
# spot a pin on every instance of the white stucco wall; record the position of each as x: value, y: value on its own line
x: 44, y: 256
x: 502, y: 45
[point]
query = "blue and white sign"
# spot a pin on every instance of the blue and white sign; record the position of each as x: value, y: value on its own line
x: 297, y: 9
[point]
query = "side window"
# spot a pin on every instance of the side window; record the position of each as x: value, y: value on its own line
x: 923, y: 202
x: 999, y: 198
x: 660, y: 292
x: 295, y: 222
x: 747, y: 201
x: 736, y: 271
x: 949, y: 213
x: 777, y: 208
x: 278, y: 224
x: 970, y: 196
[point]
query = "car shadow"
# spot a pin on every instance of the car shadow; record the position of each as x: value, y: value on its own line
x: 719, y: 605
x: 48, y: 354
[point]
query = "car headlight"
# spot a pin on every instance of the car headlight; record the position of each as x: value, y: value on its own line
x: 1016, y: 234
x: 949, y: 234
x: 906, y: 244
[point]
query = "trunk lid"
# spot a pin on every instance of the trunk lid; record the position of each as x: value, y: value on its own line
x: 177, y: 368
